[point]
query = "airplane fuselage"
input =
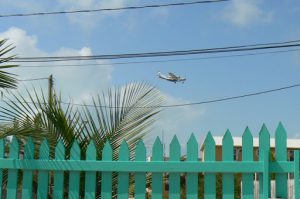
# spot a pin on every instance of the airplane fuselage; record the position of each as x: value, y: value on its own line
x: 173, y: 78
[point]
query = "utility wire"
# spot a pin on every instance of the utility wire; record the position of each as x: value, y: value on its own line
x: 111, y: 9
x: 35, y: 79
x: 157, y: 61
x: 252, y: 47
x: 179, y: 105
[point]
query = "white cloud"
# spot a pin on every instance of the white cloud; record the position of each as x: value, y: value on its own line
x: 73, y: 82
x: 246, y: 12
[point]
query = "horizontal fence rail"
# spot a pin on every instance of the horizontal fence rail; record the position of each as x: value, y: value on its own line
x: 135, y: 166
x: 24, y: 176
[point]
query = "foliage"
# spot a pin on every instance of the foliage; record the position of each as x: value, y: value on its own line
x: 7, y: 80
x: 121, y: 113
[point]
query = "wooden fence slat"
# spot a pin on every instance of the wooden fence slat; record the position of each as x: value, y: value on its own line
x: 174, y: 178
x: 209, y: 156
x: 28, y: 174
x: 227, y: 155
x: 90, y: 176
x: 123, y: 177
x: 74, y: 178
x: 43, y: 176
x: 58, y: 190
x: 192, y: 178
x: 264, y: 145
x: 281, y: 155
x: 247, y: 155
x: 296, y: 174
x: 106, y: 180
x: 2, y: 152
x: 157, y: 178
x: 266, y: 175
x: 140, y: 177
x: 12, y: 183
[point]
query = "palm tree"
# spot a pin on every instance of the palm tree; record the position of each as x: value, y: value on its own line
x: 125, y: 113
x: 7, y: 80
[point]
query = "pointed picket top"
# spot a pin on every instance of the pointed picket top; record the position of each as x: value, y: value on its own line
x: 175, y: 149
x: 29, y: 149
x: 192, y: 148
x: 227, y: 138
x: 209, y: 140
x: 107, y: 151
x: 247, y: 145
x: 124, y: 151
x: 227, y: 146
x: 247, y: 134
x: 192, y: 140
x: 60, y: 150
x: 174, y: 143
x: 264, y: 131
x: 209, y: 148
x: 280, y: 137
x: 157, y: 150
x: 91, y: 152
x: 264, y: 141
x: 157, y: 144
x: 280, y: 126
x: 140, y: 151
x: 75, y: 150
x: 14, y: 148
x: 44, y: 150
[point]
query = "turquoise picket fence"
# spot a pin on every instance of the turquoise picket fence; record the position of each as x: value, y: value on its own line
x: 43, y: 169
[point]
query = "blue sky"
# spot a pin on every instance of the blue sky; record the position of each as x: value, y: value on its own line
x: 235, y: 22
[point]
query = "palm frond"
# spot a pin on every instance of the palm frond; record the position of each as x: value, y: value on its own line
x: 7, y: 80
x: 125, y: 113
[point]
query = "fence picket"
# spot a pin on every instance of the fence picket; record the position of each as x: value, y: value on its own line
x: 247, y: 155
x: 28, y: 174
x: 157, y: 178
x: 58, y: 190
x: 296, y: 174
x: 210, y: 156
x: 43, y: 176
x: 174, y: 178
x: 123, y: 177
x: 140, y: 177
x: 106, y: 179
x: 227, y: 155
x: 90, y: 176
x: 2, y: 152
x: 74, y: 178
x: 266, y: 176
x: 281, y: 155
x: 192, y: 178
x: 264, y: 145
x: 12, y: 183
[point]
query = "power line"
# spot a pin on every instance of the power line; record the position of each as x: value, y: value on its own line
x: 158, y: 61
x: 35, y: 79
x: 183, y: 104
x: 111, y: 9
x: 229, y: 49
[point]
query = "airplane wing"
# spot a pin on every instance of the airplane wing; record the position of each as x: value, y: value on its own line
x: 173, y: 76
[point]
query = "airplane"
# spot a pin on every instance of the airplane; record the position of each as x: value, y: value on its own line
x: 171, y: 77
